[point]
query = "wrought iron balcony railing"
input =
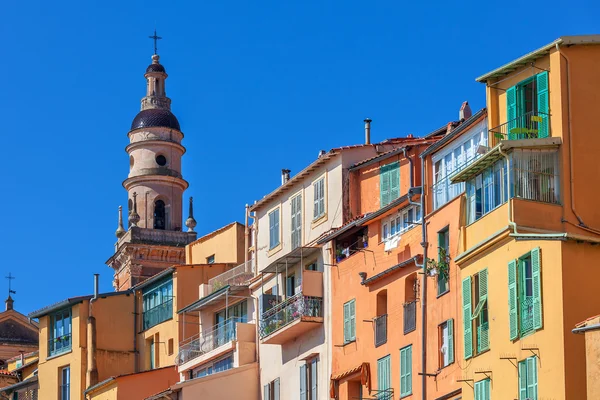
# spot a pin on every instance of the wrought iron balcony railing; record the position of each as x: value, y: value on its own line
x: 209, y: 340
x: 530, y: 125
x: 288, y: 311
x: 526, y: 314
x: 380, y: 330
x: 410, y: 317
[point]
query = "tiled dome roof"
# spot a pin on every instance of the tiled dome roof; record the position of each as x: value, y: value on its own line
x: 155, y: 68
x: 155, y: 117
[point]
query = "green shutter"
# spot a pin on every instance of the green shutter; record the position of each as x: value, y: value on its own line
x: 409, y: 370
x: 276, y: 389
x: 406, y: 371
x: 346, y: 322
x: 513, y: 300
x: 383, y: 373
x: 313, y: 379
x: 303, y: 382
x: 523, y: 380
x: 482, y: 390
x: 402, y: 369
x: 543, y: 104
x: 466, y: 301
x: 394, y: 172
x: 483, y: 337
x: 352, y: 320
x: 450, y: 325
x: 511, y: 111
x: 537, y: 287
x: 384, y: 186
x: 532, y: 378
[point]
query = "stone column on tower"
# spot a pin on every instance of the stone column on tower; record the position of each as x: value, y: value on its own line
x: 155, y: 187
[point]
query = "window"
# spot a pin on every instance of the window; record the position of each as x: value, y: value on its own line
x: 271, y: 390
x: 527, y: 108
x: 312, y: 266
x: 350, y: 321
x: 525, y: 294
x: 446, y: 340
x: 482, y: 390
x: 159, y: 214
x: 290, y: 286
x: 319, y: 198
x: 210, y: 259
x: 222, y: 364
x: 449, y: 162
x: 475, y: 319
x: 389, y: 183
x: 309, y: 380
x: 296, y: 221
x: 528, y: 379
x: 400, y: 222
x: 443, y: 256
x: 60, y: 332
x: 65, y: 383
x: 158, y: 303
x: 274, y: 229
x: 161, y: 160
x: 406, y: 371
x: 170, y: 347
x: 487, y: 191
x: 151, y: 353
x: 384, y: 378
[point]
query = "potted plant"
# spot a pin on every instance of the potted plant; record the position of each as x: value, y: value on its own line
x: 440, y: 267
x: 339, y: 255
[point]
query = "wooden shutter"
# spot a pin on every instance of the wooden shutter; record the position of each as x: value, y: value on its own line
x: 353, y: 320
x: 536, y: 269
x: 450, y: 350
x: 276, y: 389
x: 511, y: 111
x: 394, y: 172
x: 523, y: 380
x: 483, y: 337
x: 532, y: 378
x: 543, y: 104
x: 271, y: 230
x: 383, y: 374
x: 313, y: 379
x: 267, y: 391
x: 303, y: 382
x: 408, y: 358
x: 315, y: 200
x: 478, y: 386
x: 322, y: 196
x: 347, y: 322
x: 468, y: 336
x: 276, y: 227
x: 513, y: 300
x: 384, y: 186
x: 296, y: 221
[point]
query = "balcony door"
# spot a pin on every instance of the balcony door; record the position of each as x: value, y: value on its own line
x: 225, y: 321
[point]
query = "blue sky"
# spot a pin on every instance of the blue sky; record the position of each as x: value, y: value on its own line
x: 256, y: 85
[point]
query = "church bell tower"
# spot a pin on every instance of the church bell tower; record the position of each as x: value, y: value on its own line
x: 154, y: 239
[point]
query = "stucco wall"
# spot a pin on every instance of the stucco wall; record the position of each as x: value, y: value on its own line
x: 219, y: 385
x: 227, y: 246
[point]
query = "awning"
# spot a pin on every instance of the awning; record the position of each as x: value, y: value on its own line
x: 477, y: 167
x: 365, y: 378
x: 290, y: 259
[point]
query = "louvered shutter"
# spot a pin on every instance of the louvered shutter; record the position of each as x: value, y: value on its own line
x: 402, y: 370
x: 543, y: 104
x: 408, y: 370
x: 384, y: 186
x: 450, y: 350
x: 313, y: 379
x: 347, y: 322
x: 322, y: 197
x: 267, y: 391
x: 383, y: 375
x: 532, y: 378
x: 315, y: 200
x: 303, y: 382
x: 352, y: 320
x: 483, y: 337
x: 536, y: 269
x: 276, y: 389
x: 478, y: 386
x: 513, y: 300
x: 271, y: 229
x: 466, y: 301
x: 523, y: 380
x: 511, y: 111
x: 394, y: 172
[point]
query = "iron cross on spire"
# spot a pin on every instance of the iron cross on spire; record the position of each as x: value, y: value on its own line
x: 156, y: 39
x: 10, y: 278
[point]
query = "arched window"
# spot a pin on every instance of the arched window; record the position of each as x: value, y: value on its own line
x: 159, y: 214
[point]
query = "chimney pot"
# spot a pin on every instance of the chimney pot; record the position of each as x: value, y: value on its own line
x: 96, y: 285
x: 368, y: 130
x: 322, y: 153
x: 465, y: 111
x: 285, y: 176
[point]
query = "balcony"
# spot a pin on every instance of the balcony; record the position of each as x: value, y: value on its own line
x: 531, y: 125
x: 214, y: 342
x: 380, y: 330
x: 410, y: 317
x: 291, y: 318
x: 158, y: 314
x: 238, y: 276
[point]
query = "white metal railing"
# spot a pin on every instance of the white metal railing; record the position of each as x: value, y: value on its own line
x: 238, y: 276
x: 535, y: 175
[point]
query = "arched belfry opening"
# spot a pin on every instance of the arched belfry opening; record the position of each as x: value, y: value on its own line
x: 159, y: 214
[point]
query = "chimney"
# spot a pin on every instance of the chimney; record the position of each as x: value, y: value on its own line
x: 96, y: 285
x: 322, y: 153
x: 465, y: 111
x: 368, y: 130
x: 285, y: 176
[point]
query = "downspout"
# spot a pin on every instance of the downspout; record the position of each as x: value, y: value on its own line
x: 135, y: 318
x: 92, y: 370
x: 410, y: 162
x: 424, y: 244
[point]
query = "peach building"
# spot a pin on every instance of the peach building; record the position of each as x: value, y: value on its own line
x: 590, y: 329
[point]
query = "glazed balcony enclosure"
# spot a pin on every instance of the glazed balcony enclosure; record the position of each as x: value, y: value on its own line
x: 298, y: 306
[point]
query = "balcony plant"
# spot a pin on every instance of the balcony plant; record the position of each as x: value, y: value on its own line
x: 440, y: 267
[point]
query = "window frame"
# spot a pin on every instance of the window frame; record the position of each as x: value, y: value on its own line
x: 211, y: 367
x: 449, y: 325
x: 528, y: 367
x: 516, y: 295
x: 445, y: 233
x: 65, y: 388
x: 398, y: 220
x: 309, y: 379
x: 163, y: 289
x: 54, y: 338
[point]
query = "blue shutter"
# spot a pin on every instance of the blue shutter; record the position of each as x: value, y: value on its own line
x: 313, y: 379
x: 384, y: 186
x: 513, y: 300
x: 511, y: 111
x: 543, y: 104
x: 467, y: 332
x: 276, y: 389
x: 303, y: 382
x: 537, y: 288
x: 394, y: 172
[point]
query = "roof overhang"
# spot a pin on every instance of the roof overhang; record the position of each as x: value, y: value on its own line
x: 290, y: 259
x: 155, y: 278
x: 541, y: 52
x: 20, y: 385
x: 340, y: 231
x: 391, y: 270
x: 71, y: 302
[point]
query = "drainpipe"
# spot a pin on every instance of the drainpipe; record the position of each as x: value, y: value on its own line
x: 92, y: 371
x: 246, y: 238
x: 136, y: 367
x: 410, y: 162
x: 424, y: 244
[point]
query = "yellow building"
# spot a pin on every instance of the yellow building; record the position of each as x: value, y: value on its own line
x: 529, y: 234
x: 591, y: 329
x: 22, y: 372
